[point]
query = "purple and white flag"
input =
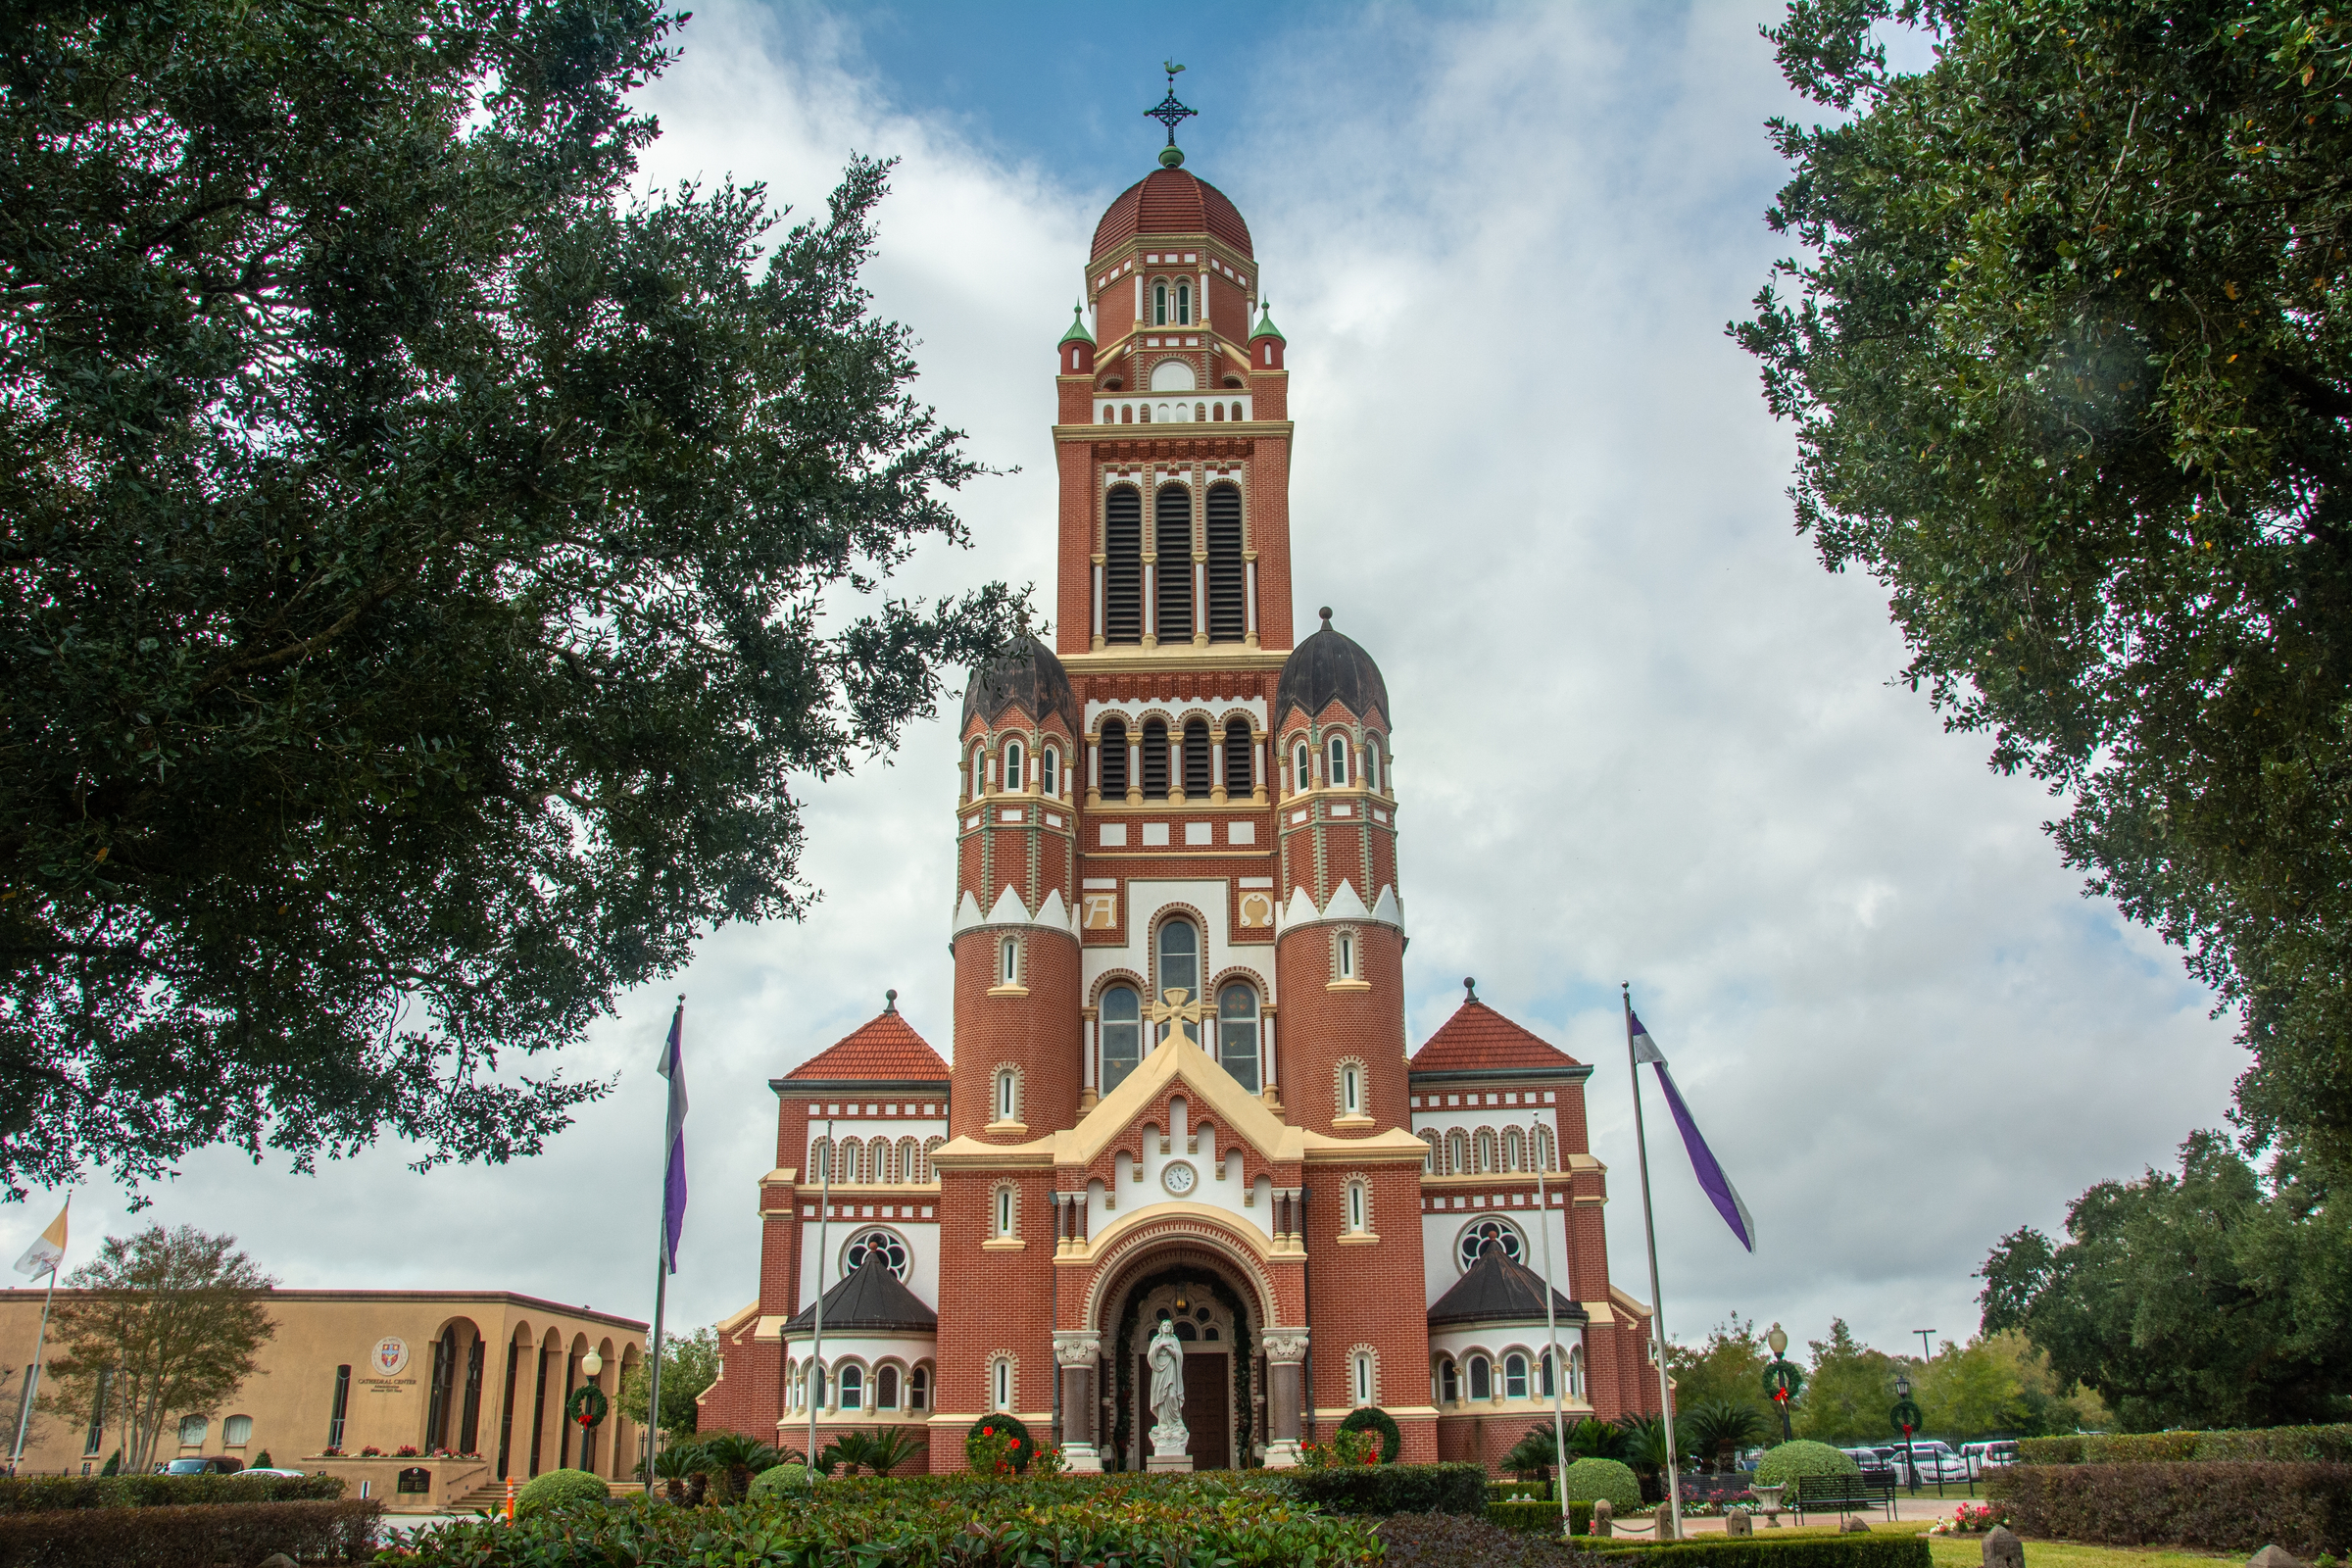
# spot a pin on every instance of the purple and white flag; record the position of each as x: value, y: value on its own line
x: 674, y: 1176
x: 1711, y: 1179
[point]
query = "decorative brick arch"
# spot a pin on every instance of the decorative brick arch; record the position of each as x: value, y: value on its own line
x: 1176, y: 1239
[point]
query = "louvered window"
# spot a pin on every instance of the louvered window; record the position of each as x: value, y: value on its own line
x: 1123, y: 566
x: 1240, y: 752
x: 1195, y: 760
x: 1172, y: 518
x: 1155, y: 760
x: 1115, y: 759
x: 1228, y: 618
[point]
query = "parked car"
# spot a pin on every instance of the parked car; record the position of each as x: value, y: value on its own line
x: 1935, y: 1460
x: 1999, y: 1455
x: 210, y: 1464
x: 265, y: 1470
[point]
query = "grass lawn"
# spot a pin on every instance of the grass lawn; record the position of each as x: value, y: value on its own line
x: 1968, y: 1551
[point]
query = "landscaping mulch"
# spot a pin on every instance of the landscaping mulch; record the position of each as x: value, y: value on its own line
x: 1451, y: 1540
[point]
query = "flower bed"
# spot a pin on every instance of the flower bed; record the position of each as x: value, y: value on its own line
x: 1971, y: 1518
x: 925, y: 1519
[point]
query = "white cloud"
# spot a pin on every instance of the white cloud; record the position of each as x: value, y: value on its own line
x: 1641, y: 734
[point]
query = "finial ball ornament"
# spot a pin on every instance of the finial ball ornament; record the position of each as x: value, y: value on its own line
x: 1325, y: 612
x: 1470, y: 987
x: 1171, y: 156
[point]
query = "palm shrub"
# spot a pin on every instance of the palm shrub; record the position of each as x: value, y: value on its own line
x: 877, y: 1453
x: 1531, y: 1457
x: 1719, y: 1429
x: 676, y: 1468
x: 1594, y: 1438
x: 1790, y: 1462
x: 736, y: 1457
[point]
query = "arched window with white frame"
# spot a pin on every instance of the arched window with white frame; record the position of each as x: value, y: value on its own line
x: 918, y: 1389
x: 1050, y: 773
x: 1351, y: 1088
x: 853, y: 1386
x: 1335, y: 766
x: 1160, y: 302
x: 1000, y: 1378
x: 1343, y: 957
x: 1180, y: 968
x: 1457, y: 1152
x: 1546, y: 1155
x: 979, y: 771
x: 886, y: 1389
x: 1006, y: 1221
x: 1366, y: 1390
x: 1184, y: 304
x: 1237, y: 1033
x: 1120, y: 1018
x: 1482, y: 1378
x: 1449, y: 1382
x: 1008, y: 1094
x: 1300, y: 779
x: 1359, y: 1215
x: 1016, y: 774
x: 1009, y: 962
x: 1514, y: 1375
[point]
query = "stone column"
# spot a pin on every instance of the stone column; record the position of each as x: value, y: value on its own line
x: 1074, y: 1356
x: 1285, y: 1351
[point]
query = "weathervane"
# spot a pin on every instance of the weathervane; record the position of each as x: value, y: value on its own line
x: 1168, y: 111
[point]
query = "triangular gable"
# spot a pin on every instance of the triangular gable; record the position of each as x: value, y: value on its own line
x: 1347, y: 904
x: 967, y: 911
x: 1386, y: 910
x: 1008, y: 908
x: 1055, y: 912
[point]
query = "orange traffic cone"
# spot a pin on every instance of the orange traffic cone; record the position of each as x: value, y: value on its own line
x: 509, y: 1499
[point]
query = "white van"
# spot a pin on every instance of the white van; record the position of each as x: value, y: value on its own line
x: 1999, y: 1455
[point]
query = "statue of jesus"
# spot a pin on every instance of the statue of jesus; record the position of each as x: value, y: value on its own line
x: 1167, y: 1358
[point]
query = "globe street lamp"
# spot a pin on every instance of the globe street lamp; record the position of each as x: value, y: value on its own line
x: 1906, y: 1418
x: 1781, y: 1379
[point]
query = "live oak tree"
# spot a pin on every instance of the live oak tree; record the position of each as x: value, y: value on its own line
x: 2069, y: 366
x: 689, y: 1365
x: 426, y: 566
x: 167, y: 1324
x: 2217, y: 1297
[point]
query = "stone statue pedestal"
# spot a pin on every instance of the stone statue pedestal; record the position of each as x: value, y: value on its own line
x: 1081, y: 1459
x: 1283, y: 1454
x: 1169, y: 1439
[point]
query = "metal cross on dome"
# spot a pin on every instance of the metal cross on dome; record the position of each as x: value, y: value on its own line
x: 1168, y: 111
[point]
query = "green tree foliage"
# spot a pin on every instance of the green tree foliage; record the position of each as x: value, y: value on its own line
x: 426, y: 566
x: 2219, y: 1296
x: 168, y: 1322
x: 2070, y: 371
x: 2000, y: 1385
x: 1727, y: 1366
x: 1848, y: 1390
x: 689, y: 1366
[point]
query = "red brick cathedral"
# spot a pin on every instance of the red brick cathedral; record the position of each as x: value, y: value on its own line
x: 1181, y: 1088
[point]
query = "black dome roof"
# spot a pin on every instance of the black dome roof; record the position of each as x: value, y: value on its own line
x: 1024, y: 675
x: 1496, y: 1289
x: 1329, y: 666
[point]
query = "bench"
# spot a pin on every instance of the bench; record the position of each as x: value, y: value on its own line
x: 1844, y: 1495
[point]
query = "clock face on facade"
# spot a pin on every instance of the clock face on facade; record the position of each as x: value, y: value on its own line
x: 1179, y: 1178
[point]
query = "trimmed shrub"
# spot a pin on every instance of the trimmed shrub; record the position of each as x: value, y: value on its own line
x: 2317, y: 1445
x: 1000, y: 1425
x: 1766, y: 1552
x: 1382, y: 1489
x: 161, y: 1534
x: 780, y: 1478
x: 1591, y: 1480
x: 921, y: 1519
x: 1792, y: 1463
x: 558, y: 1488
x: 2211, y: 1504
x: 1372, y: 1419
x: 1540, y: 1517
x: 1451, y: 1539
x: 47, y: 1494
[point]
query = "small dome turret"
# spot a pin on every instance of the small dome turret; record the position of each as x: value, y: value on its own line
x: 1329, y: 667
x: 1024, y: 675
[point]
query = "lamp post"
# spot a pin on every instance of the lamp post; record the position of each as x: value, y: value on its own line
x: 1781, y: 1379
x: 1906, y: 1418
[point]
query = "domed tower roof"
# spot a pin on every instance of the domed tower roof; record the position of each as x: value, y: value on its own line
x: 1169, y: 201
x: 1024, y: 675
x: 1329, y: 667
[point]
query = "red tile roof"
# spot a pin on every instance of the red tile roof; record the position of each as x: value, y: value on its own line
x: 1478, y: 1039
x: 1170, y: 201
x: 886, y: 1050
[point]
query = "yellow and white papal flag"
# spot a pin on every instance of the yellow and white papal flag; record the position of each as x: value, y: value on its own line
x: 48, y: 1249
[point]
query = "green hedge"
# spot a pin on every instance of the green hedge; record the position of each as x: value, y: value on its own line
x: 1541, y: 1518
x: 558, y: 1488
x: 2212, y: 1505
x: 2323, y: 1445
x: 154, y: 1536
x: 1764, y: 1551
x: 928, y: 1519
x: 1590, y: 1479
x: 1385, y: 1488
x: 48, y: 1494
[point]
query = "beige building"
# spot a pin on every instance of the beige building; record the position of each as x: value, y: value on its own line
x: 472, y: 1385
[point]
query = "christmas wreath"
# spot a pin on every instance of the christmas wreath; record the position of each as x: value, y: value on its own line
x: 587, y: 1405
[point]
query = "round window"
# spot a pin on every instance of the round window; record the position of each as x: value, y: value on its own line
x: 889, y: 1244
x: 1502, y: 1232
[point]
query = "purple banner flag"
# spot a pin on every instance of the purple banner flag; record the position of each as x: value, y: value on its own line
x: 674, y: 1176
x: 1711, y: 1179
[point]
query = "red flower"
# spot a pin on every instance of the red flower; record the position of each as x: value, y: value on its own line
x: 1017, y: 1442
x: 988, y: 1432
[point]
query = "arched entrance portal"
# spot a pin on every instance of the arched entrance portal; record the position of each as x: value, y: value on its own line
x: 1224, y: 1399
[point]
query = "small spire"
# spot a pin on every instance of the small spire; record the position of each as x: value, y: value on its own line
x: 1265, y: 322
x: 1469, y: 985
x: 890, y: 1002
x: 1078, y: 332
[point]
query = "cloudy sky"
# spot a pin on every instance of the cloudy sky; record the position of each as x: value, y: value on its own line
x: 1641, y: 734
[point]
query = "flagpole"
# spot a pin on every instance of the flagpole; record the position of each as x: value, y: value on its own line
x: 1551, y: 1329
x: 1657, y: 1297
x: 815, y: 1382
x: 33, y: 1375
x: 662, y: 1263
